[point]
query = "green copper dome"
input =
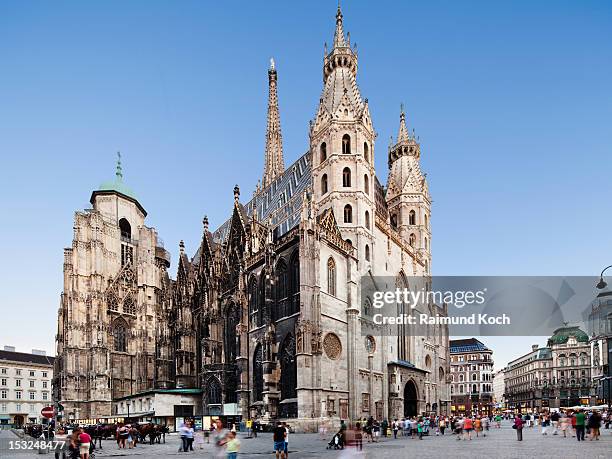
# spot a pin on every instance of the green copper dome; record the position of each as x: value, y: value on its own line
x: 117, y: 184
x: 562, y: 335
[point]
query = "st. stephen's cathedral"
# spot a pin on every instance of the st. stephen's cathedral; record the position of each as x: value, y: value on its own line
x: 267, y: 317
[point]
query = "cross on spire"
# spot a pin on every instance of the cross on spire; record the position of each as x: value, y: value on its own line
x: 119, y: 172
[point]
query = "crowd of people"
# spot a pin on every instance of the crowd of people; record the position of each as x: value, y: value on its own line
x: 574, y: 423
x: 79, y: 441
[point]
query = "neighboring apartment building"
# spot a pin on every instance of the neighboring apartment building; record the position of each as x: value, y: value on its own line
x: 25, y: 386
x: 528, y: 380
x: 499, y: 388
x: 600, y: 331
x: 571, y: 357
x: 472, y: 377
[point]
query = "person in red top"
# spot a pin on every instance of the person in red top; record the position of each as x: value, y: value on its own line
x: 468, y: 426
x: 518, y: 425
x: 84, y: 442
x: 573, y: 418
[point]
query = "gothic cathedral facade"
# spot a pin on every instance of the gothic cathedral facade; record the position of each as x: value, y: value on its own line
x: 267, y: 317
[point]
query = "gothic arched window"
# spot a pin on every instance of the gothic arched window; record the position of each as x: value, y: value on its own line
x: 366, y: 151
x: 346, y: 144
x: 394, y: 221
x: 412, y: 217
x: 426, y: 244
x: 412, y: 240
x: 367, y: 307
x: 323, y: 184
x: 323, y: 151
x: 346, y: 177
x: 426, y: 266
x: 125, y: 228
x: 214, y: 392
x: 331, y: 276
x: 261, y: 298
x: 348, y: 214
x: 294, y: 283
x: 232, y: 319
x: 253, y: 303
x: 120, y: 336
x: 288, y: 377
x: 129, y: 307
x: 282, y: 290
x: 367, y: 219
x: 366, y: 184
x: 426, y: 221
x: 258, y: 380
x: 367, y: 252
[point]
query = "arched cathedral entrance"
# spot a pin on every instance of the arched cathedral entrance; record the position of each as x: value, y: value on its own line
x: 410, y: 399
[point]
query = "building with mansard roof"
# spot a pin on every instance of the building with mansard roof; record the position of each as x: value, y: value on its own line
x: 267, y: 317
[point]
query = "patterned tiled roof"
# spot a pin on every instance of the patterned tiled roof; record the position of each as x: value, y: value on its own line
x: 459, y: 346
x: 279, y: 203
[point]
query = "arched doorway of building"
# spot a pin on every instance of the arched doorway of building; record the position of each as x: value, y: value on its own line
x: 410, y: 399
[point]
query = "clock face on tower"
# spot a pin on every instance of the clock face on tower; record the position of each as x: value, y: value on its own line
x: 370, y: 344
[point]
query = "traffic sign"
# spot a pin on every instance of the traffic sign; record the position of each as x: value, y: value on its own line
x: 48, y: 412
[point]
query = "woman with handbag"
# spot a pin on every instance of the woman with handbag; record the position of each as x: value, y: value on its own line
x: 518, y: 426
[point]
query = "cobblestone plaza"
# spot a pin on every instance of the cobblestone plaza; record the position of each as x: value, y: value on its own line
x: 498, y: 443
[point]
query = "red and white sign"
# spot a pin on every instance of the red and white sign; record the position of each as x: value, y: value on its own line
x: 48, y: 412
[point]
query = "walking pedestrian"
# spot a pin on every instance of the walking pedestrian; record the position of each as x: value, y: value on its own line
x: 580, y: 423
x: 468, y: 426
x: 232, y: 447
x: 395, y: 427
x: 123, y: 434
x: 442, y: 425
x: 221, y: 437
x: 286, y: 439
x: 518, y: 426
x: 278, y: 436
x: 594, y: 425
x: 554, y: 419
x: 84, y: 444
x: 545, y: 423
x: 485, y: 425
x: 190, y: 433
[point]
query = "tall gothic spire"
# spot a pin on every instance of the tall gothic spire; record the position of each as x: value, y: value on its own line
x: 402, y: 135
x: 274, y: 162
x: 339, y: 39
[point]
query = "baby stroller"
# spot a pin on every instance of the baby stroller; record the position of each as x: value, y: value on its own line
x: 337, y: 441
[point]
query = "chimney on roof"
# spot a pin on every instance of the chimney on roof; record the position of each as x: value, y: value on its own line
x: 534, y: 347
x: 39, y: 352
x: 9, y: 348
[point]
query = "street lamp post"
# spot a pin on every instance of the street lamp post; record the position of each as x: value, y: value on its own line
x: 601, y: 285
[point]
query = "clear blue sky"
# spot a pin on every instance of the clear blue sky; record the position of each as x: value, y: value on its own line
x: 512, y: 102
